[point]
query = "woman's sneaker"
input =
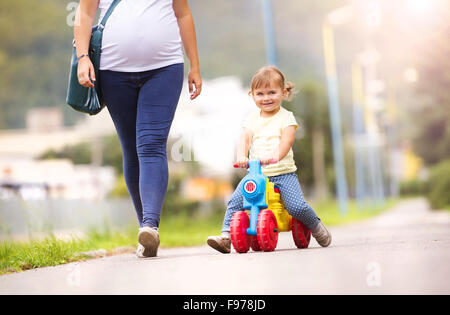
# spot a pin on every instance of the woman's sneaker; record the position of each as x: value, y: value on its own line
x: 322, y: 235
x: 149, y: 242
x: 140, y: 251
x: 220, y: 243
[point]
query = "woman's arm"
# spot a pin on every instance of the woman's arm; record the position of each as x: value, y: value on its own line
x: 84, y: 19
x: 187, y: 33
x: 243, y: 147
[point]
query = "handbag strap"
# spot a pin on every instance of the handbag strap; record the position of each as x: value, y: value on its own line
x: 111, y: 8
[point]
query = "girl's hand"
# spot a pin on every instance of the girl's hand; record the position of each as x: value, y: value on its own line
x: 86, y: 73
x: 194, y: 80
x: 242, y: 162
x: 269, y: 160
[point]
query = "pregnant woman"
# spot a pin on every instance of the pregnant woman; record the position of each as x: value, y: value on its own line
x: 141, y: 76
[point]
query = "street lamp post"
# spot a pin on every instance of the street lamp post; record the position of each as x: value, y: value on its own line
x: 335, y: 118
x: 271, y: 51
x: 358, y: 132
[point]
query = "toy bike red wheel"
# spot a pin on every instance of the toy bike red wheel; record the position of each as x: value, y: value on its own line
x: 238, y: 232
x: 300, y: 233
x: 267, y: 231
x: 254, y: 244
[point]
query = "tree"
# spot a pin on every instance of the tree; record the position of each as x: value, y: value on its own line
x: 312, y: 148
x: 34, y: 57
x: 433, y: 116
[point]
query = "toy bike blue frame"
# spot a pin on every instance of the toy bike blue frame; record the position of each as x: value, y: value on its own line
x: 254, y: 192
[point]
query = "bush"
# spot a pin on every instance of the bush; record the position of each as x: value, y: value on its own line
x: 413, y: 188
x: 438, y: 185
x: 120, y: 189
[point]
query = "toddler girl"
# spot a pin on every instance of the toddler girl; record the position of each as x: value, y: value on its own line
x: 268, y: 134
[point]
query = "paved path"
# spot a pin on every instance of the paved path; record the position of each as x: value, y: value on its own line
x: 404, y: 251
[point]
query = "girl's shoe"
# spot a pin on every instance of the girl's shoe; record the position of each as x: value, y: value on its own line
x: 149, y: 242
x: 220, y: 243
x: 322, y: 235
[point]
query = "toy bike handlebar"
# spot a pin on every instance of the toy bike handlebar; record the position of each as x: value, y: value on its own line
x: 273, y: 161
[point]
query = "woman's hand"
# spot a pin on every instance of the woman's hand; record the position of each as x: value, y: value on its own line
x: 194, y: 80
x: 86, y: 73
x: 188, y: 37
x: 84, y: 18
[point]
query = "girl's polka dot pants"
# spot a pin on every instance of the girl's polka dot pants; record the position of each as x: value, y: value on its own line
x: 291, y: 195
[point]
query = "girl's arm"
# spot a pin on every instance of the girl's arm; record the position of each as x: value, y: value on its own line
x: 286, y: 142
x: 243, y: 147
x: 84, y: 18
x: 187, y: 33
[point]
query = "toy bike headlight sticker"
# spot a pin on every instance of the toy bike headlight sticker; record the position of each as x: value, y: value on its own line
x: 250, y: 187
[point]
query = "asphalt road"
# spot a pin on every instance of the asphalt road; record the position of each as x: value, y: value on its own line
x: 404, y: 251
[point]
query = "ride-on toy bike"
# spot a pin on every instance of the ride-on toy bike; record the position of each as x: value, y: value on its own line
x: 268, y: 216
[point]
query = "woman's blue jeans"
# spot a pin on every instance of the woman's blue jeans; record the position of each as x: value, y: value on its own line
x: 142, y: 106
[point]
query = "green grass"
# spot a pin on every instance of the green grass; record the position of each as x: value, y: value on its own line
x: 50, y: 251
x: 18, y: 256
x: 329, y: 213
x: 174, y: 231
x: 182, y: 230
x: 187, y: 230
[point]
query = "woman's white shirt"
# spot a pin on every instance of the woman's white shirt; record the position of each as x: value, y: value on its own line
x: 140, y: 35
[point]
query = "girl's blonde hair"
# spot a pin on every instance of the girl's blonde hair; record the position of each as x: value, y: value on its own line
x: 270, y: 75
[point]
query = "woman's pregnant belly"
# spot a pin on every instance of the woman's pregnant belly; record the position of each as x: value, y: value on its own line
x: 140, y: 39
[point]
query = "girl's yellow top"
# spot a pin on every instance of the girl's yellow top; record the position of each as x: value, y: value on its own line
x: 266, y: 139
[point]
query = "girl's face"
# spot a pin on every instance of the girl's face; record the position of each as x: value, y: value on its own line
x: 269, y: 99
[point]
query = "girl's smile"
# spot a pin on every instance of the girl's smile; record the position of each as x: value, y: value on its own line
x: 269, y: 99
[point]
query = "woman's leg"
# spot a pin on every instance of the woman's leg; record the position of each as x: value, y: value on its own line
x: 157, y: 101
x: 121, y: 96
x: 293, y: 200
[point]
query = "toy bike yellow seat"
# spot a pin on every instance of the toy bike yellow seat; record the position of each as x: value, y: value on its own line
x: 275, y: 203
